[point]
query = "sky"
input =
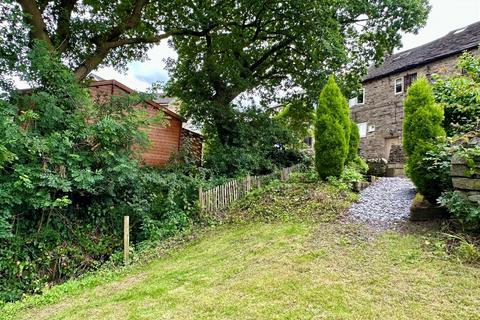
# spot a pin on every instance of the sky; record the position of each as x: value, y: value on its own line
x: 445, y: 16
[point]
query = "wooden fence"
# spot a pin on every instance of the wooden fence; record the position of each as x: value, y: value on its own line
x: 221, y: 196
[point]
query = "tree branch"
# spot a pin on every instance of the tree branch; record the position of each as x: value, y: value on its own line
x: 62, y: 36
x: 279, y: 46
x: 33, y: 17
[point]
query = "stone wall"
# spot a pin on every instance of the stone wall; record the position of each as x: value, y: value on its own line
x: 464, y: 181
x: 377, y: 167
x: 384, y: 109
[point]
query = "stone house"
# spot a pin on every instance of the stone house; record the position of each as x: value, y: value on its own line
x: 378, y: 110
x: 166, y: 141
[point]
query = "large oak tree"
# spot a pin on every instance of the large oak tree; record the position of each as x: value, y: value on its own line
x: 275, y: 46
x: 225, y: 47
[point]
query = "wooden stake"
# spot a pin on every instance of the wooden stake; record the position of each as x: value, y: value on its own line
x: 126, y: 238
x: 200, y: 198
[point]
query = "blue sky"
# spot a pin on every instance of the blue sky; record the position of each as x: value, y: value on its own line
x: 445, y: 16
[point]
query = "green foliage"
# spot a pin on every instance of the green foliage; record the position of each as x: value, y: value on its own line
x: 461, y: 208
x: 260, y: 146
x: 69, y: 172
x: 422, y: 131
x: 332, y: 131
x: 298, y: 118
x: 460, y: 97
x: 265, y: 48
x: 333, y: 102
x: 330, y: 147
x: 359, y: 165
x: 88, y: 34
x: 352, y: 173
x: 353, y: 143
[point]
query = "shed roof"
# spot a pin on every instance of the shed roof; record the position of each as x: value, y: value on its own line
x: 454, y: 42
x: 161, y: 106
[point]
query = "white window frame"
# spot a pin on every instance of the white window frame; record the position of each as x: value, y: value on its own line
x: 362, y: 129
x: 370, y: 128
x: 363, y: 97
x: 395, y: 85
x: 354, y: 101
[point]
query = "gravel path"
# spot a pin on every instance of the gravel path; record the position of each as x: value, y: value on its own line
x: 385, y: 203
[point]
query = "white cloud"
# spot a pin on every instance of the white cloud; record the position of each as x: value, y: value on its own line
x: 140, y: 75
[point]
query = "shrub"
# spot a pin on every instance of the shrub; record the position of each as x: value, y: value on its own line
x: 461, y: 208
x: 332, y: 131
x: 421, y: 131
x: 260, y: 146
x: 460, y: 97
x: 298, y: 117
x: 70, y: 171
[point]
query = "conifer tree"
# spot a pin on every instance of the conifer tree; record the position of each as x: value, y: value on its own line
x: 422, y: 128
x: 354, y: 142
x: 332, y: 131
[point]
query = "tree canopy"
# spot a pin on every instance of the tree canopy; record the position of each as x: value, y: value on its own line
x: 277, y: 46
x: 90, y: 33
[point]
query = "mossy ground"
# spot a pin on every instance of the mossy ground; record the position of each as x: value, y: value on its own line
x: 286, y: 260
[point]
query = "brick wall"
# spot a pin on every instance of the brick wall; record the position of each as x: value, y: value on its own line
x: 165, y: 141
x: 384, y: 109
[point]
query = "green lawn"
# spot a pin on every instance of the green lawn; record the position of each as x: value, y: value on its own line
x: 286, y: 270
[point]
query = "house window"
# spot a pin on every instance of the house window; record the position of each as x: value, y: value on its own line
x: 359, y: 99
x: 361, y: 96
x: 409, y: 80
x: 398, y: 85
x: 371, y: 128
x: 362, y: 128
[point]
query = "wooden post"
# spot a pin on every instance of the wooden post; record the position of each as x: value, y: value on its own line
x: 200, y: 198
x: 126, y: 238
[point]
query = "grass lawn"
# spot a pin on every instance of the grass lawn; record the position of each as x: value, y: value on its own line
x: 286, y: 269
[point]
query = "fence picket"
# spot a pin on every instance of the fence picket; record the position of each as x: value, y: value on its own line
x: 221, y: 196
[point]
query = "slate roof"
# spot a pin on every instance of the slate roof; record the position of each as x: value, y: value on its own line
x: 453, y: 43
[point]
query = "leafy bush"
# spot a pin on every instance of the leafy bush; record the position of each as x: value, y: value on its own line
x: 352, y: 173
x: 298, y: 118
x: 260, y: 146
x: 460, y: 97
x: 69, y: 172
x: 421, y: 132
x: 461, y: 208
x: 332, y: 131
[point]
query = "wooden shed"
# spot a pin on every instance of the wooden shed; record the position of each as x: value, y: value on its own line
x: 167, y: 140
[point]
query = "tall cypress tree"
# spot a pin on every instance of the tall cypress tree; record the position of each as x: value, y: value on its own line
x: 421, y: 129
x: 332, y: 131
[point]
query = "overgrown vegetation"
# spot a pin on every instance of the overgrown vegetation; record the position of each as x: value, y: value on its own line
x: 262, y: 144
x: 460, y: 97
x: 461, y: 208
x: 69, y: 173
x: 227, y: 272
